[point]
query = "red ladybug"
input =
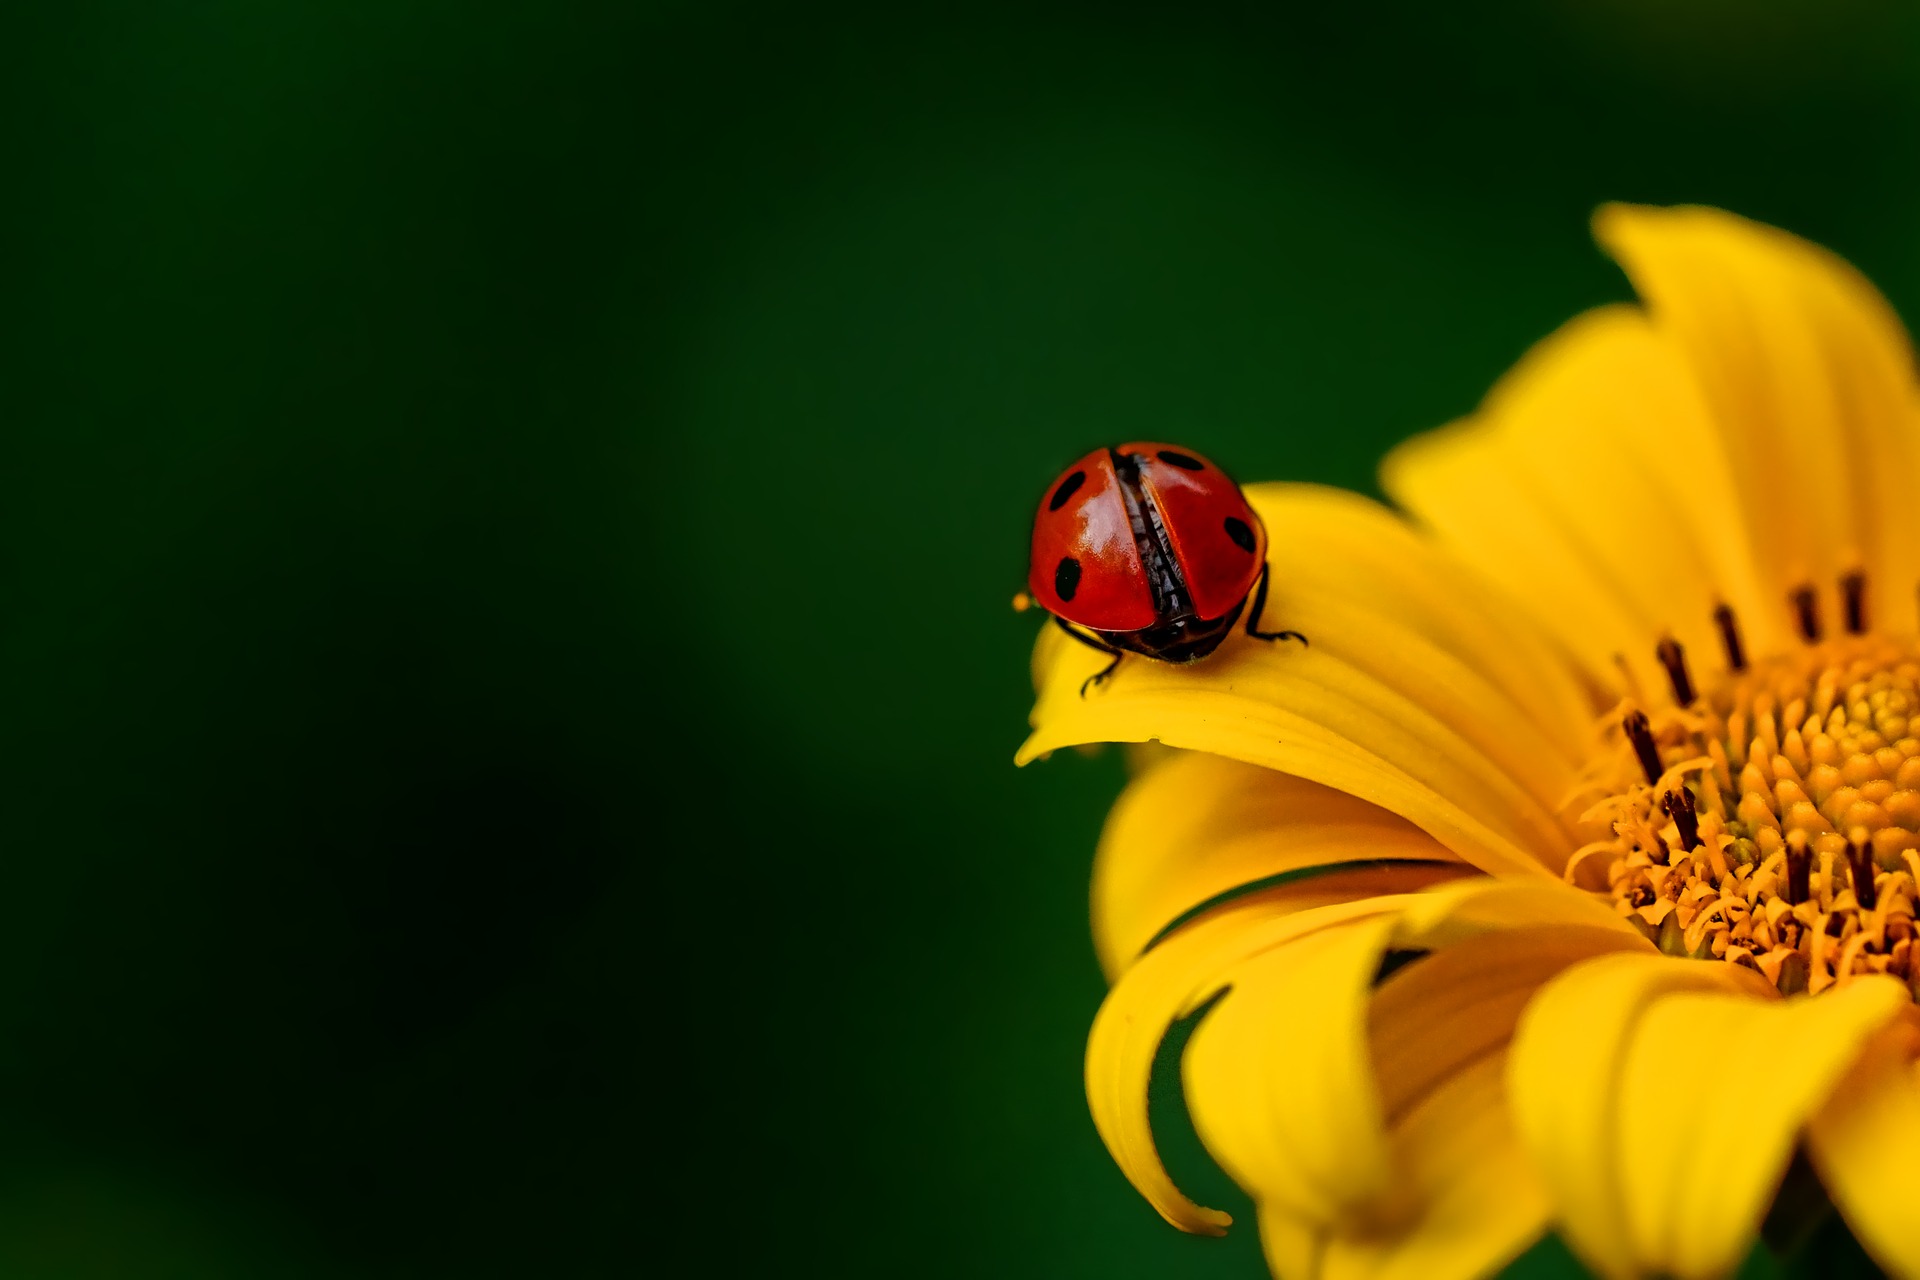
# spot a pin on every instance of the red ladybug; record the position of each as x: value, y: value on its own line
x: 1149, y: 549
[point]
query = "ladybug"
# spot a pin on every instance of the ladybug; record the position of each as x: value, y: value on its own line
x: 1149, y: 549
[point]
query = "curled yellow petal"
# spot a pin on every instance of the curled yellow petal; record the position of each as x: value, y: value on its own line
x: 1198, y: 825
x: 1296, y: 1078
x: 1280, y: 1087
x: 1169, y: 982
x: 1459, y: 1197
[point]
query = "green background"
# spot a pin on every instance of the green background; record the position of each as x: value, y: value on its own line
x: 507, y: 514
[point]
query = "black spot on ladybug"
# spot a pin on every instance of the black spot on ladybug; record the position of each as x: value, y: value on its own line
x: 1066, y: 578
x: 1186, y: 462
x: 1238, y: 531
x: 1068, y: 487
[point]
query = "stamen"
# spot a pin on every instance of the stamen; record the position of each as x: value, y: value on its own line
x: 1678, y: 805
x: 1860, y: 863
x: 1730, y: 637
x: 1641, y: 736
x: 1799, y: 868
x: 1806, y: 613
x: 1793, y: 844
x: 1853, y: 587
x: 1674, y: 659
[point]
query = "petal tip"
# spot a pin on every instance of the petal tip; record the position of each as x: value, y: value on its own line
x: 1618, y: 218
x: 1617, y: 225
x: 1613, y: 215
x: 1198, y: 1220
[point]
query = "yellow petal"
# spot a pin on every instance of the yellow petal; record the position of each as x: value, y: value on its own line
x: 1640, y: 1185
x: 1363, y: 554
x: 1863, y: 1142
x: 1562, y: 1079
x: 1375, y: 707
x: 1460, y: 1196
x: 1480, y: 1202
x: 1197, y: 825
x: 1810, y: 379
x: 1586, y: 487
x: 1279, y: 1084
x: 1170, y: 981
x: 1751, y: 431
x: 1491, y: 946
x: 1294, y: 1247
x: 1291, y: 1079
x: 1695, y: 1208
x: 1452, y: 913
x: 1460, y: 1003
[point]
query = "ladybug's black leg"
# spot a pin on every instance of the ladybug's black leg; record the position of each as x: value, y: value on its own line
x: 1259, y: 607
x: 1100, y: 675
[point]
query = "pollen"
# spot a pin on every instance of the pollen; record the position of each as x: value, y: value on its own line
x: 1769, y: 816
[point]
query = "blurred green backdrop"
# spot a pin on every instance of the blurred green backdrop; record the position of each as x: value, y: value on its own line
x: 509, y: 512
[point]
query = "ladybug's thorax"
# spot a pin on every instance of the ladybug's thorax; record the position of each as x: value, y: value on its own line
x: 1171, y: 599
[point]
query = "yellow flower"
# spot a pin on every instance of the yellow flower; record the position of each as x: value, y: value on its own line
x: 1609, y: 761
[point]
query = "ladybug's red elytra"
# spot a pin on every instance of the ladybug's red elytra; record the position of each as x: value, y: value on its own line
x: 1149, y: 549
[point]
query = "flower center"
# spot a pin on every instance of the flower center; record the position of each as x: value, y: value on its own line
x: 1772, y: 819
